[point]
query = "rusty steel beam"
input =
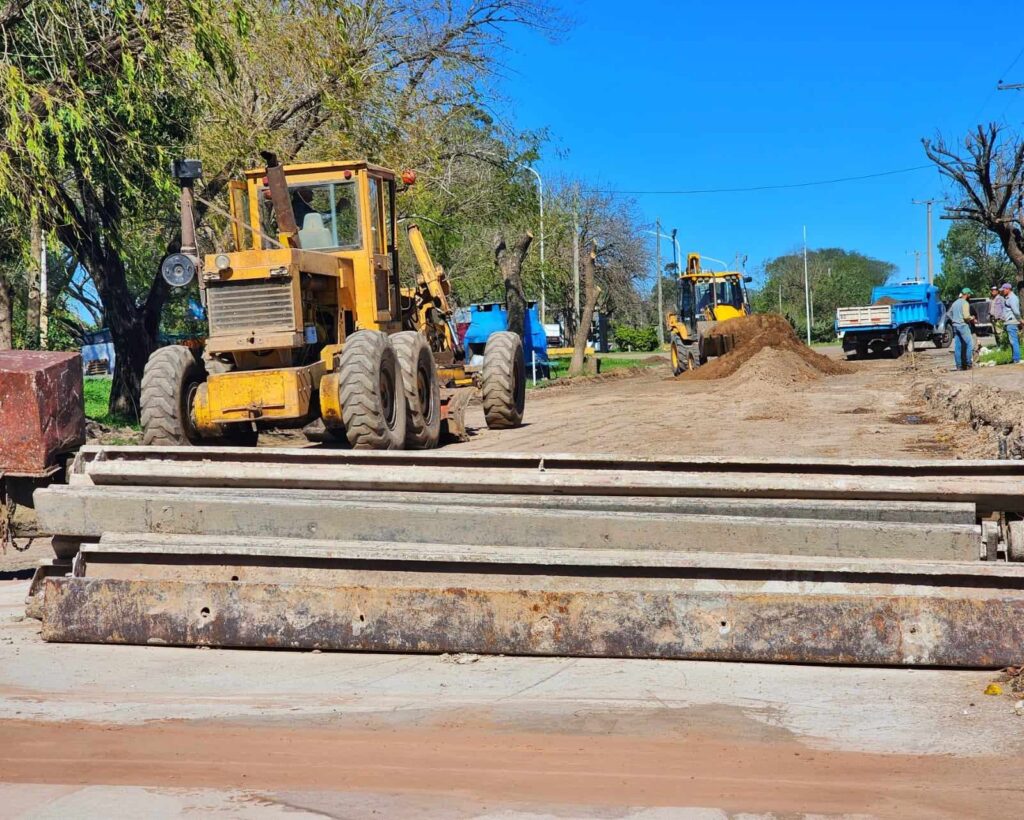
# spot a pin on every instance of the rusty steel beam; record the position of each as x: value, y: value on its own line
x: 856, y: 623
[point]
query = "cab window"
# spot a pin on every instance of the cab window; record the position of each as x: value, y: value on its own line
x: 326, y: 213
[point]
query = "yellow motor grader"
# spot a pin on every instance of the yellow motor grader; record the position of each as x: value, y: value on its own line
x: 705, y: 299
x: 309, y: 325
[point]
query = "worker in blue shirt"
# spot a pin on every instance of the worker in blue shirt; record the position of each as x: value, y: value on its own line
x: 961, y: 319
x: 1011, y: 319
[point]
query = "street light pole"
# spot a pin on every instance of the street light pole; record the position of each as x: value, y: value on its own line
x: 807, y: 290
x: 657, y: 268
x: 929, y: 203
x: 540, y: 191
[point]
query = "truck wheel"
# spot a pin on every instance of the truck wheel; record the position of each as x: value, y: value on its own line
x: 503, y: 385
x: 372, y: 396
x: 169, y: 384
x: 422, y: 395
x: 943, y: 340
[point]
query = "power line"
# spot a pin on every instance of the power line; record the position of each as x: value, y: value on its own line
x: 765, y: 187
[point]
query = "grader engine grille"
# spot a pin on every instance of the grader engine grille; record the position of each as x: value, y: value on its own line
x: 250, y: 305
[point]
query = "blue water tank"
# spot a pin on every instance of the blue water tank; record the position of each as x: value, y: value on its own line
x: 491, y: 317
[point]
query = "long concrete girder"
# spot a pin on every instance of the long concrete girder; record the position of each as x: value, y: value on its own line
x: 990, y: 493
x: 922, y: 512
x: 91, y: 512
x: 857, y: 621
x: 156, y: 555
x: 328, y: 456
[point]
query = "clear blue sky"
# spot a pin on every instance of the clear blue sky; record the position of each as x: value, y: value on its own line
x: 654, y: 95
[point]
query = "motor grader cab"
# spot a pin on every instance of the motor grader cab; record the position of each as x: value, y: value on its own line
x: 706, y: 298
x: 309, y: 324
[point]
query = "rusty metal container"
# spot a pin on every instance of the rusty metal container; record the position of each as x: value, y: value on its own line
x: 42, y: 413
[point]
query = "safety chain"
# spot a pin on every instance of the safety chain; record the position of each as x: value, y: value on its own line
x: 7, y: 508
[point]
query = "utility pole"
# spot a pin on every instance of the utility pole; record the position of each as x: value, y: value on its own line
x: 657, y: 268
x: 807, y: 291
x: 929, y: 203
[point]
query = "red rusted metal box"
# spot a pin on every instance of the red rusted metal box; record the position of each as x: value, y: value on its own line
x: 41, y: 409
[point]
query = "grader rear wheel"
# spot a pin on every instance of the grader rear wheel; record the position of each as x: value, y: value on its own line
x: 169, y: 384
x: 422, y: 395
x: 373, y: 405
x: 504, y: 381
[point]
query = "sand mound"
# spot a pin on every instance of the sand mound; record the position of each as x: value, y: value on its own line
x: 787, y: 360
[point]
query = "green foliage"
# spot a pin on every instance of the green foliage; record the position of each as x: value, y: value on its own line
x: 643, y: 339
x: 996, y: 355
x: 973, y: 257
x: 838, y: 278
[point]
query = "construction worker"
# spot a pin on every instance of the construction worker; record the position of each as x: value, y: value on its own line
x: 961, y: 319
x: 1011, y: 319
x: 996, y: 305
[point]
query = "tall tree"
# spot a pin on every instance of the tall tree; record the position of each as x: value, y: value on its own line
x: 988, y: 174
x: 972, y: 256
x: 837, y: 278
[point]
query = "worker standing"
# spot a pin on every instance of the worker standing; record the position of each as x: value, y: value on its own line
x: 961, y: 319
x: 1011, y: 319
x: 996, y: 306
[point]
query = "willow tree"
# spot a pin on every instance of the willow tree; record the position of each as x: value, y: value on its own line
x: 95, y: 97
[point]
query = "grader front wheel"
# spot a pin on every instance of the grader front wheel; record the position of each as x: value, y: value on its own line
x: 504, y: 381
x: 373, y: 403
x: 422, y: 395
x: 169, y: 384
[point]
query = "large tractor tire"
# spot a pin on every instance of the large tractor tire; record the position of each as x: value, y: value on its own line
x: 169, y: 384
x: 504, y: 381
x: 422, y: 394
x: 373, y: 406
x: 684, y: 357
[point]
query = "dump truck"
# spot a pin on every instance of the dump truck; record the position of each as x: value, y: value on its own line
x: 898, y: 318
x: 706, y: 298
x: 311, y: 326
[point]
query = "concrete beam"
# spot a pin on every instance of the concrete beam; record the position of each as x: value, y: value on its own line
x: 856, y: 624
x: 71, y: 511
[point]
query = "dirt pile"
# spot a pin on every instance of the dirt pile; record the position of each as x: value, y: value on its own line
x: 997, y: 414
x: 767, y: 351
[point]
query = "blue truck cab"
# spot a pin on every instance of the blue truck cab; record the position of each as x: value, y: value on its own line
x: 898, y: 318
x: 491, y: 317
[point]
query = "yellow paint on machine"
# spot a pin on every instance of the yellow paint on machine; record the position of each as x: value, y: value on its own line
x: 260, y: 394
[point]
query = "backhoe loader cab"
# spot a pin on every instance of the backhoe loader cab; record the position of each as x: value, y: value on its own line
x: 705, y: 298
x: 308, y: 323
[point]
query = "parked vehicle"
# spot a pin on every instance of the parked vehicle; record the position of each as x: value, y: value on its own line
x: 898, y: 318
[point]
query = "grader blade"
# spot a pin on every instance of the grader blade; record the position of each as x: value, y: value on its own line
x: 745, y: 560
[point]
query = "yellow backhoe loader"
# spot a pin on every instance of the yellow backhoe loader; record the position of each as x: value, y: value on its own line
x: 309, y: 325
x: 705, y: 299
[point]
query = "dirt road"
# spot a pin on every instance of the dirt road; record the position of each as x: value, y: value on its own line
x: 99, y: 731
x: 869, y: 413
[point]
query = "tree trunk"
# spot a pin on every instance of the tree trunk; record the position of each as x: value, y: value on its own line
x: 587, y: 318
x: 32, y: 305
x: 510, y: 264
x: 6, y: 316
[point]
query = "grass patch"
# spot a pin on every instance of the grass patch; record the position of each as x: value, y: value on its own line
x: 96, y: 390
x: 996, y: 355
x: 559, y: 368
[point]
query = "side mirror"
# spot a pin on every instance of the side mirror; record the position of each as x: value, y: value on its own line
x: 748, y: 279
